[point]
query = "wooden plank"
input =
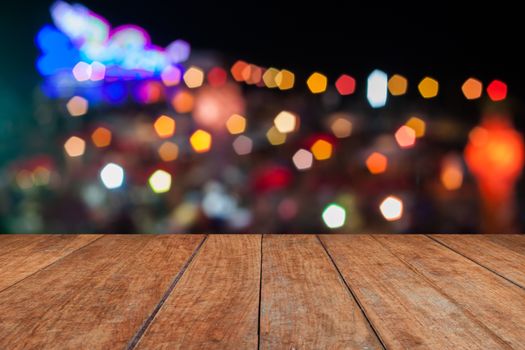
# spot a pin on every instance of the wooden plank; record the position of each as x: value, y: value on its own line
x: 496, y: 303
x: 215, y: 304
x: 492, y: 252
x: 304, y: 303
x: 23, y: 255
x: 95, y: 298
x: 406, y: 308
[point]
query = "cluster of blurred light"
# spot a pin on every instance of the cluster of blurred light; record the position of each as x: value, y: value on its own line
x: 341, y: 127
x: 200, y: 141
x: 275, y: 137
x: 428, y: 87
x: 39, y: 176
x: 405, y: 137
x: 472, y: 89
x: 321, y: 149
x: 194, y: 77
x: 75, y: 146
x: 236, y: 124
x: 376, y: 90
x: 77, y: 106
x: 317, y: 83
x: 391, y: 208
x: 242, y: 145
x: 168, y: 151
x: 334, y: 216
x: 376, y: 163
x: 101, y: 137
x: 451, y: 172
x: 397, y: 85
x: 285, y: 122
x: 418, y: 125
x: 345, y: 85
x: 269, y: 77
x: 303, y: 159
x: 84, y: 71
x: 149, y: 92
x: 217, y: 77
x: 182, y: 101
x: 252, y: 74
x: 164, y: 126
x: 285, y: 79
x: 112, y: 175
x: 171, y: 75
x: 160, y: 181
x: 497, y: 90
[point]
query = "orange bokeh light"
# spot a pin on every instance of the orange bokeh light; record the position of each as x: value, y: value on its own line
x: 377, y: 163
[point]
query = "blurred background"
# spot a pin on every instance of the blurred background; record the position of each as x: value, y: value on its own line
x: 198, y: 116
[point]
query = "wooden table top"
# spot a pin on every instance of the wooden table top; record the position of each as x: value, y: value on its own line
x: 266, y: 292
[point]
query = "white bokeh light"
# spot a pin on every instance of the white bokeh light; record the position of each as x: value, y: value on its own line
x: 112, y: 175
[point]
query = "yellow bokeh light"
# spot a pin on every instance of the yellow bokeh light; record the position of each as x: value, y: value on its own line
x: 164, y: 126
x: 397, y: 85
x: 285, y: 122
x: 322, y: 149
x: 160, y: 181
x: 75, y: 146
x: 101, y: 137
x: 472, y: 89
x: 285, y: 80
x: 418, y: 125
x: 317, y: 83
x: 183, y: 101
x: 428, y: 87
x: 269, y: 77
x: 377, y: 163
x: 341, y: 127
x: 275, y: 137
x: 236, y: 124
x: 405, y: 137
x: 194, y: 77
x: 168, y: 151
x: 200, y: 140
x: 77, y: 106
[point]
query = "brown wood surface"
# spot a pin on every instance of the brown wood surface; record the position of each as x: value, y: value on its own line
x: 405, y: 308
x: 493, y: 252
x: 215, y: 304
x: 304, y: 303
x: 96, y: 298
x: 23, y: 255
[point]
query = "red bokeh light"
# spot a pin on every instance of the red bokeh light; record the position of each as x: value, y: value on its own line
x: 497, y: 90
x: 345, y: 85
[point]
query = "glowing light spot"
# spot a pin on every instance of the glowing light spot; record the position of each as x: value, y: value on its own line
x: 178, y: 51
x: 164, y: 126
x: 428, y: 87
x: 101, y: 137
x: 345, y: 85
x: 252, y: 74
x: 405, y: 137
x: 341, y: 127
x: 285, y: 80
x: 160, y: 181
x: 334, y: 216
x: 418, y: 125
x: 183, y: 101
x: 41, y: 176
x: 397, y: 85
x: 478, y: 136
x: 237, y: 69
x: 77, y: 106
x: 168, y: 151
x: 317, y: 83
x: 452, y: 172
x: 269, y: 77
x: 217, y: 77
x: 285, y: 122
x: 391, y: 208
x: 322, y: 149
x: 275, y: 137
x: 303, y: 159
x: 497, y: 90
x: 24, y: 180
x: 171, y: 76
x: 236, y: 124
x: 472, y: 89
x: 112, y: 176
x: 82, y: 71
x: 376, y: 163
x: 200, y: 140
x: 376, y: 91
x: 150, y: 92
x: 98, y: 71
x: 242, y: 145
x: 75, y: 146
x: 194, y: 77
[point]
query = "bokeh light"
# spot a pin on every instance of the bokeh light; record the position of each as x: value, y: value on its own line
x: 334, y: 216
x: 451, y: 172
x: 322, y: 149
x: 275, y: 137
x: 75, y: 146
x: 217, y: 77
x: 285, y: 79
x: 237, y: 70
x: 285, y: 122
x: 168, y: 151
x: 303, y: 159
x: 377, y: 163
x: 77, y: 106
x: 376, y: 90
x: 345, y: 85
x: 200, y: 141
x: 341, y: 127
x: 98, y: 71
x: 183, y: 101
x: 418, y: 125
x: 472, y: 89
x: 405, y: 137
x: 269, y: 77
x: 178, y: 51
x: 82, y: 71
x: 164, y: 126
x: 101, y: 137
x: 171, y: 75
x: 397, y: 85
x: 317, y: 83
x: 428, y: 87
x: 112, y: 175
x: 236, y: 124
x: 194, y: 77
x: 497, y: 90
x: 242, y: 145
x: 391, y: 208
x: 213, y: 106
x: 160, y: 181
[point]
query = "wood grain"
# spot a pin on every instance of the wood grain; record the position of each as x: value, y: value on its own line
x: 95, y: 298
x: 491, y: 251
x: 23, y: 255
x: 215, y: 304
x: 494, y: 302
x: 406, y: 308
x: 304, y: 303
